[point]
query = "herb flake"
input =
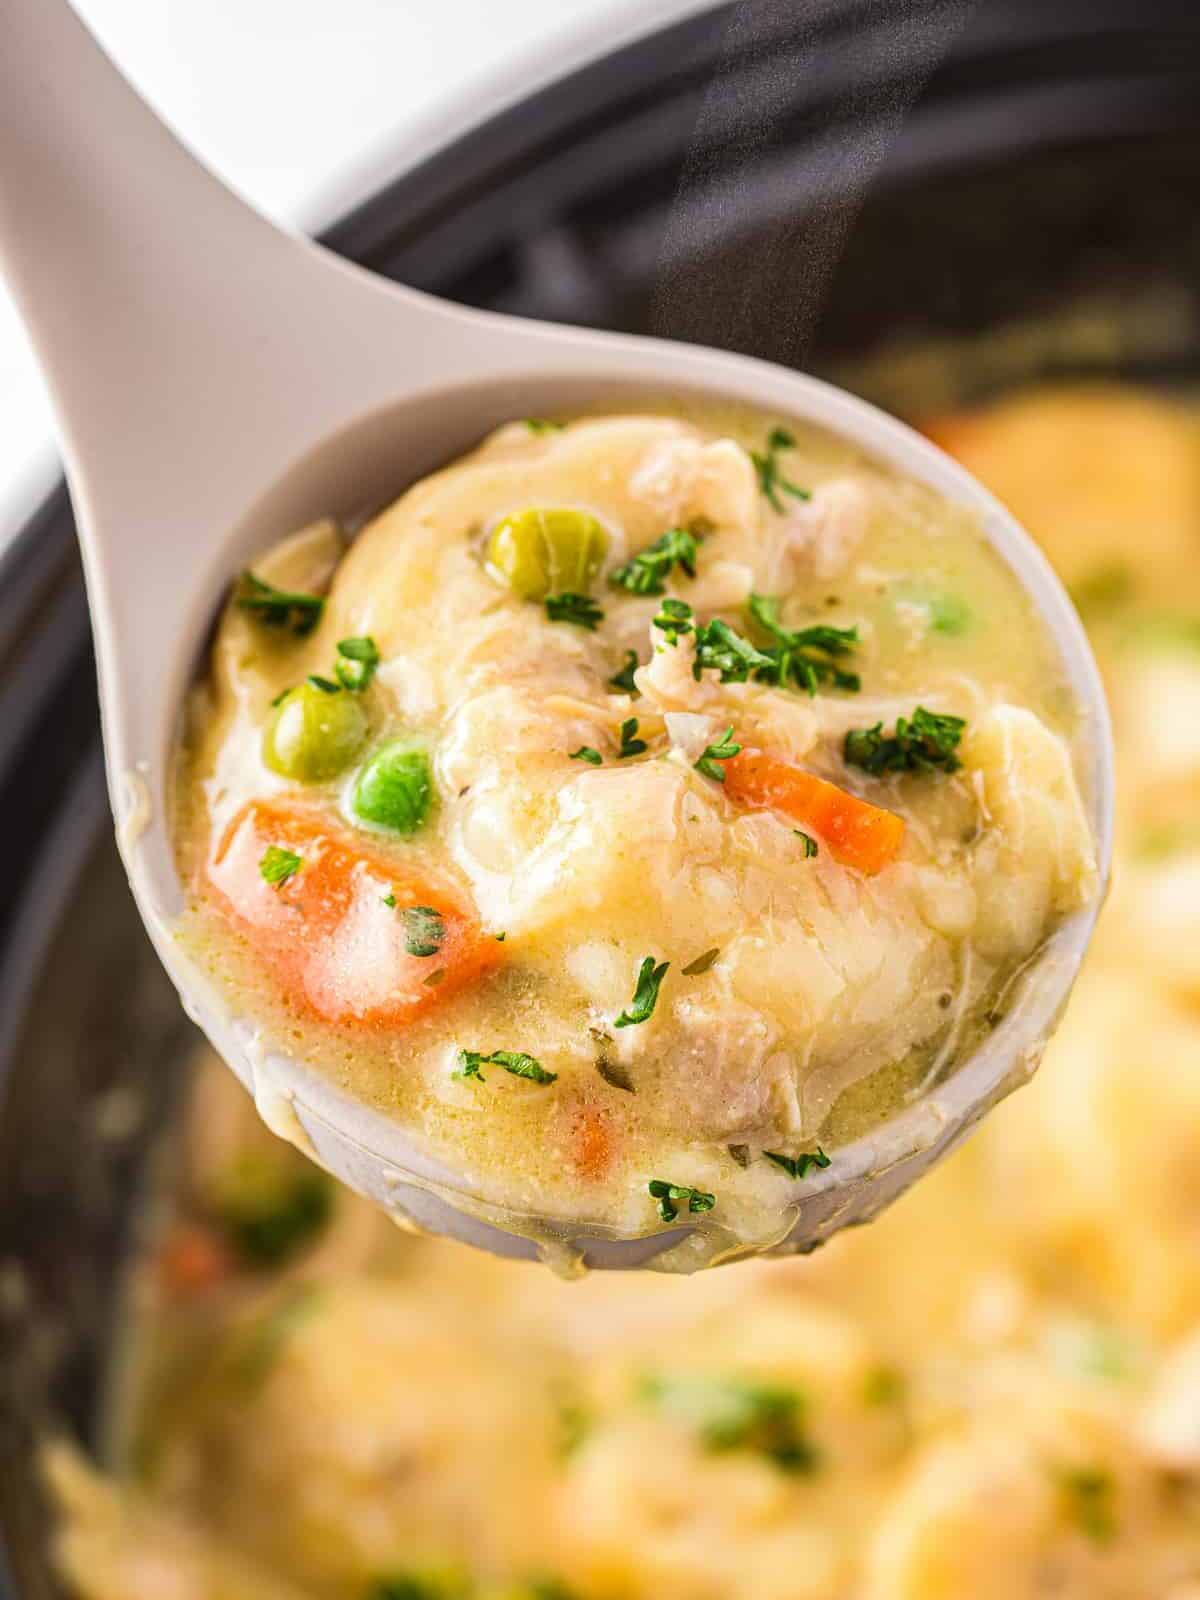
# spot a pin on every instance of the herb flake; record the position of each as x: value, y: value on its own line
x: 646, y: 573
x: 702, y: 963
x: 645, y: 995
x: 674, y: 620
x: 811, y: 848
x: 623, y: 680
x: 728, y: 1414
x: 806, y: 657
x: 279, y: 608
x: 631, y: 745
x: 671, y: 1196
x: 357, y: 660
x: 586, y: 753
x: 724, y: 749
x: 771, y: 481
x: 926, y: 742
x: 800, y: 1166
x: 278, y: 865
x: 578, y: 609
x: 514, y: 1061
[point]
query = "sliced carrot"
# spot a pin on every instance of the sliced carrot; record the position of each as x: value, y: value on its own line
x: 591, y: 1143
x: 858, y: 834
x: 329, y: 934
x: 191, y: 1260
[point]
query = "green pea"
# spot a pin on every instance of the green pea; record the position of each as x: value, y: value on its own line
x: 313, y: 735
x: 547, y: 550
x: 395, y: 788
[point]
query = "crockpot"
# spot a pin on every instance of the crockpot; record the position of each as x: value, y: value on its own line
x: 925, y: 199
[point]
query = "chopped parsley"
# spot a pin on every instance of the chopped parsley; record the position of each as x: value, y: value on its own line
x: 723, y: 750
x: 624, y: 679
x: 926, y: 742
x: 514, y: 1061
x: 647, y: 571
x: 811, y: 848
x: 278, y: 865
x: 389, y: 900
x: 671, y: 1196
x: 261, y: 1345
x: 1087, y: 1495
x: 720, y: 648
x: 730, y: 1414
x: 269, y: 1217
x: 702, y: 963
x: 356, y: 663
x: 280, y: 608
x: 586, y: 753
x: 631, y: 745
x: 799, y: 1166
x: 739, y: 1153
x: 326, y: 685
x: 579, y: 609
x: 645, y: 995
x: 771, y: 481
x: 806, y: 657
x: 543, y: 425
x: 431, y: 1583
x: 424, y: 930
x: 674, y: 619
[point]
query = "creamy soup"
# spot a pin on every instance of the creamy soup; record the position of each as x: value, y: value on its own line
x: 636, y: 810
x: 992, y: 1393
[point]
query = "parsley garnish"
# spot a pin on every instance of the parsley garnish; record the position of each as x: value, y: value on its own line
x: 646, y: 572
x: 543, y: 425
x: 263, y: 1343
x: 720, y: 648
x: 267, y: 1216
x: 645, y: 995
x: 579, y: 609
x: 674, y: 619
x: 671, y: 1196
x: 433, y: 1584
x: 278, y: 865
x: 810, y: 844
x: 326, y: 685
x: 356, y: 663
x: 1087, y: 1495
x: 804, y: 656
x: 514, y: 1061
x: 424, y: 930
x: 586, y: 753
x: 926, y: 742
x: 702, y: 963
x: 631, y: 745
x: 389, y: 900
x: 723, y: 750
x: 280, y: 608
x: 771, y: 481
x: 736, y: 1414
x: 624, y: 678
x: 799, y: 1166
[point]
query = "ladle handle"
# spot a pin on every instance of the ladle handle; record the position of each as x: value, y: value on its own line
x: 186, y: 341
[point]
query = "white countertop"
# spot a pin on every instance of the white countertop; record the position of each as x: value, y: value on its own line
x: 304, y: 106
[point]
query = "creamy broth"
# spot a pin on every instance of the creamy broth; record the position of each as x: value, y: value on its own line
x: 610, y: 866
x: 991, y: 1393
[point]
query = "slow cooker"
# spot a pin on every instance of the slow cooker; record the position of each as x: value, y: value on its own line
x: 926, y: 199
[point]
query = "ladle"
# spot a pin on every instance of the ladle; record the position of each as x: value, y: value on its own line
x: 218, y: 383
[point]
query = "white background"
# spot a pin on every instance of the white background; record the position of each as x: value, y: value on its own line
x: 304, y: 104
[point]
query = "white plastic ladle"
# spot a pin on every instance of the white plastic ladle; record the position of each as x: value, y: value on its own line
x: 218, y: 383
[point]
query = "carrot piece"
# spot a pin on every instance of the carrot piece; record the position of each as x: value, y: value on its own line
x: 591, y: 1143
x: 858, y: 834
x: 192, y: 1259
x: 328, y: 933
